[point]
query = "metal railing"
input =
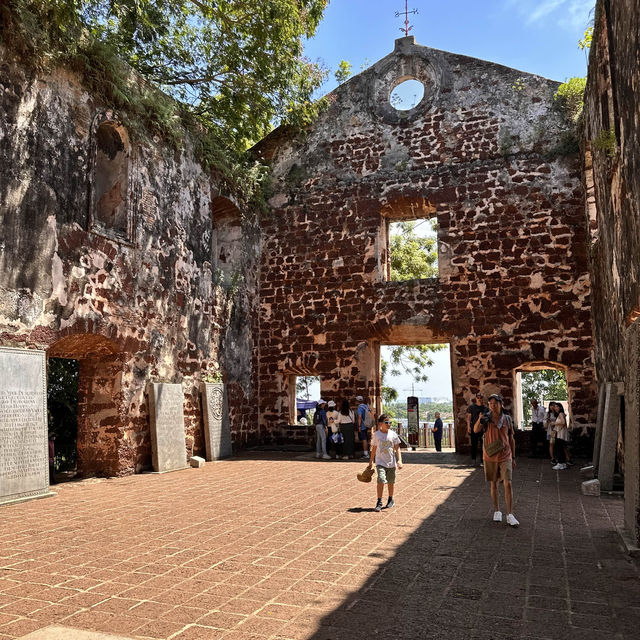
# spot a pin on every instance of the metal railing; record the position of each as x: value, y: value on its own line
x: 424, y: 437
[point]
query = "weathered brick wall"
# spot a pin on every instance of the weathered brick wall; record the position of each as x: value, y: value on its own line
x: 485, y: 153
x: 149, y: 301
x: 611, y: 104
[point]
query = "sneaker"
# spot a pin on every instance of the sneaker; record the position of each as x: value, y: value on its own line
x: 559, y: 467
x: 511, y: 520
x: 570, y: 463
x: 379, y: 505
x: 553, y: 461
x: 497, y: 516
x: 318, y: 455
x: 390, y: 503
x: 365, y: 455
x: 326, y: 457
x: 345, y: 457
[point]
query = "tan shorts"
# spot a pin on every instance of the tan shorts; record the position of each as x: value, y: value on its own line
x: 496, y: 471
x: 386, y: 475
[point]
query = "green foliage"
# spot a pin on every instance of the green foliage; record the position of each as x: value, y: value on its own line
x: 343, y: 72
x: 412, y: 256
x: 585, y: 43
x: 229, y: 69
x: 546, y: 384
x: 62, y: 410
x: 303, y: 383
x: 212, y: 376
x: 570, y: 97
x: 606, y: 141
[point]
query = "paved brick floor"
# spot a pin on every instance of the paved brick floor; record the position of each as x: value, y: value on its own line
x: 273, y: 547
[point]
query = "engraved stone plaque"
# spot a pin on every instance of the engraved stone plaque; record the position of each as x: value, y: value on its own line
x: 166, y: 412
x: 24, y: 452
x: 217, y: 431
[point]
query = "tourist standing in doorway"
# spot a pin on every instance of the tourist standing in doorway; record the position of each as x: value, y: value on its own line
x: 346, y: 421
x: 335, y: 438
x: 437, y: 432
x: 320, y: 423
x: 499, y: 452
x: 385, y: 452
x: 363, y: 418
x: 538, y: 435
x: 549, y: 422
x: 474, y: 410
x: 561, y: 430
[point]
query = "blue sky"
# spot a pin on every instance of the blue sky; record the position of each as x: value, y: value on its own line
x: 537, y: 36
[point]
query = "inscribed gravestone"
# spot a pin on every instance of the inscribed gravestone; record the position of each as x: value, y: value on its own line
x: 166, y: 412
x: 217, y: 432
x: 610, y: 427
x: 24, y: 454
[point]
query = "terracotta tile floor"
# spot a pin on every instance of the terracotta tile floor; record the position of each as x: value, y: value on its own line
x: 277, y: 547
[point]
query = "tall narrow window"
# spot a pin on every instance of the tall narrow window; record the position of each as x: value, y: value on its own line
x: 111, y: 180
x: 227, y: 238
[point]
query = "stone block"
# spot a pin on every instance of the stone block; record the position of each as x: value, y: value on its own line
x: 197, y: 462
x: 587, y: 472
x: 166, y: 413
x: 610, y: 427
x: 217, y: 430
x: 591, y: 488
x: 24, y: 452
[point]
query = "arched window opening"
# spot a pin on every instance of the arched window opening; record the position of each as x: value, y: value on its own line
x: 590, y: 193
x: 111, y: 179
x: 226, y: 250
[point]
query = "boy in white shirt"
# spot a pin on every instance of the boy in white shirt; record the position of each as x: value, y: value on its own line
x: 385, y: 450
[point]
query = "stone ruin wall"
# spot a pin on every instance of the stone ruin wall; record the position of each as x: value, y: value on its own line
x: 131, y: 309
x: 612, y: 176
x: 484, y: 156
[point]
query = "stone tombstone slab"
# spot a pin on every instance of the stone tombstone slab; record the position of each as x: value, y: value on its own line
x: 632, y: 434
x: 610, y: 425
x: 166, y: 412
x: 602, y: 398
x: 24, y: 448
x: 217, y: 430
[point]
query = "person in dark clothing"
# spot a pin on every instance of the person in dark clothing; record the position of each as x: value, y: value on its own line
x: 437, y: 432
x: 474, y: 410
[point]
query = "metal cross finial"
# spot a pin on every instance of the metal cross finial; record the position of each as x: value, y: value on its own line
x: 406, y: 13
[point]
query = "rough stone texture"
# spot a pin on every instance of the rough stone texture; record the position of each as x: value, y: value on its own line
x: 24, y: 453
x: 131, y: 299
x: 485, y: 159
x: 612, y: 178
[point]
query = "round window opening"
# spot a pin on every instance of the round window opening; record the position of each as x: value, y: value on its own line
x: 407, y: 95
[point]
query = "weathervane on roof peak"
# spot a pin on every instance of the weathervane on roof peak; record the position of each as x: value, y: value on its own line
x: 406, y: 13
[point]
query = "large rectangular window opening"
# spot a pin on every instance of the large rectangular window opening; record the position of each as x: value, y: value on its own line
x: 304, y: 392
x: 421, y: 371
x: 412, y: 249
x: 543, y: 385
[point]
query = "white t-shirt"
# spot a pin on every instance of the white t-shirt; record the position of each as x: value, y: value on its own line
x: 384, y: 444
x: 350, y: 419
x: 538, y: 414
x: 332, y: 421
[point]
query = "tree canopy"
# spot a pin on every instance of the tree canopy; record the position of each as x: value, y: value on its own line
x: 238, y: 65
x: 543, y: 385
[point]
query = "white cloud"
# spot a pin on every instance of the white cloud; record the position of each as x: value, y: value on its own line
x: 572, y: 14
